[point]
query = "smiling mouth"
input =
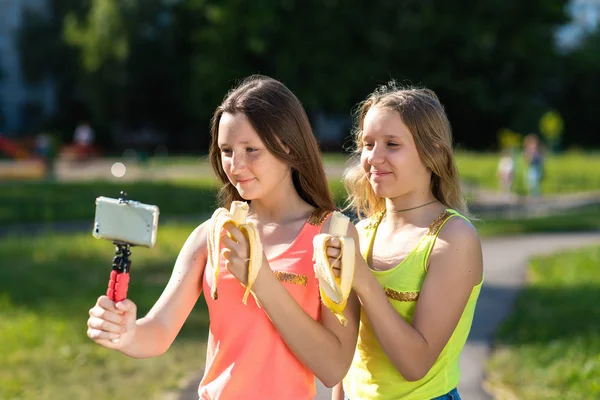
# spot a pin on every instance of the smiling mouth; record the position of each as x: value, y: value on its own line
x: 379, y: 173
x: 242, y: 181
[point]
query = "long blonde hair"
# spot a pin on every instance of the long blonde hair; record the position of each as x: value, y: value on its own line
x: 424, y: 115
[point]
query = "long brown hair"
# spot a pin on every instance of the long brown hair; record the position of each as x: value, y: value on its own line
x: 279, y: 119
x: 424, y: 115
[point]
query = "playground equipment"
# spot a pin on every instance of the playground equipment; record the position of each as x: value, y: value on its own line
x: 24, y: 164
x: 13, y: 150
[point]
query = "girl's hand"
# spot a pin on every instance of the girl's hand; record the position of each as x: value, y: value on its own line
x: 112, y: 326
x: 334, y: 253
x: 362, y: 272
x: 236, y: 251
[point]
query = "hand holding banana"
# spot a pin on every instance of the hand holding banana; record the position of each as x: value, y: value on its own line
x: 242, y: 251
x: 335, y: 278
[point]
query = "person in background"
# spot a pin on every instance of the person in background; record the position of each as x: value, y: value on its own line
x: 506, y: 171
x: 83, y: 139
x: 534, y: 164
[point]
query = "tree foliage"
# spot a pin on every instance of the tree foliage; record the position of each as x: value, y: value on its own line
x: 166, y: 64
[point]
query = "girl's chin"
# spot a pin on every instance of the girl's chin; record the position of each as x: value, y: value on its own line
x: 247, y: 195
x: 380, y: 190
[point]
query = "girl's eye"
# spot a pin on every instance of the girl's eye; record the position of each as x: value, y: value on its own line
x: 226, y: 151
x: 392, y: 144
x: 367, y: 145
x: 251, y: 149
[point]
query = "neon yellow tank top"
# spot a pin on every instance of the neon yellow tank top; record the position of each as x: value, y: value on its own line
x: 372, y: 375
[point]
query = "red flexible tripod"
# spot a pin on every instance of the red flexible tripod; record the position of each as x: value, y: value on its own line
x: 119, y: 276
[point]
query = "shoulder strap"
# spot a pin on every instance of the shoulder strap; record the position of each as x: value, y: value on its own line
x: 318, y: 216
x: 367, y: 233
x: 434, y: 230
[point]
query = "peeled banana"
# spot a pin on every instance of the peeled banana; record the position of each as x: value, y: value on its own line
x: 334, y: 290
x: 237, y: 215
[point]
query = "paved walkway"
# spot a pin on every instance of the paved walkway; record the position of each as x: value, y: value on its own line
x: 505, y: 262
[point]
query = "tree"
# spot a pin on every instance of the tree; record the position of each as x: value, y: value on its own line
x: 44, y: 54
x: 168, y: 63
x: 579, y: 97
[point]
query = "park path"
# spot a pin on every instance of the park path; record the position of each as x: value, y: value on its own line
x: 505, y: 265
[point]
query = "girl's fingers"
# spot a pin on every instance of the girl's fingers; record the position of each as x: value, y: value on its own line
x: 127, y: 307
x: 110, y: 316
x: 227, y: 254
x: 104, y: 325
x: 229, y: 243
x: 333, y: 252
x: 100, y: 335
x: 106, y: 303
x: 335, y: 242
x: 335, y: 263
x: 235, y: 233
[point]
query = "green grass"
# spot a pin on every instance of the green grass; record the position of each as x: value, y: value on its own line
x: 549, y: 348
x: 564, y: 173
x: 581, y: 219
x: 47, y: 285
x: 50, y: 202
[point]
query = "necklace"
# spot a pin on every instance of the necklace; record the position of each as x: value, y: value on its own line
x: 413, y: 208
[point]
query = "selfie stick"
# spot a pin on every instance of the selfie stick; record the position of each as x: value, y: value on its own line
x: 119, y: 276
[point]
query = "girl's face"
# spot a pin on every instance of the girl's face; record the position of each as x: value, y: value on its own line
x: 249, y: 166
x: 389, y: 156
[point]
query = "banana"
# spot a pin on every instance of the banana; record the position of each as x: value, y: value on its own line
x: 236, y: 215
x: 334, y: 290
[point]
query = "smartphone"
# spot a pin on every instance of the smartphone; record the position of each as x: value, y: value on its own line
x: 126, y: 222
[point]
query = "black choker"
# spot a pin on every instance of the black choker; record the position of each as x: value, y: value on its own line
x: 413, y: 208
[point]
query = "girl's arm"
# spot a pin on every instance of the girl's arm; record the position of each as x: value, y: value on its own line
x: 156, y: 331
x: 326, y: 348
x: 455, y: 267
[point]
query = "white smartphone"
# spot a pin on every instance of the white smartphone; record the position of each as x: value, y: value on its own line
x: 126, y: 221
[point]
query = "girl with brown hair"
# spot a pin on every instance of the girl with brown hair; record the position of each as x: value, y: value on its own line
x: 264, y: 152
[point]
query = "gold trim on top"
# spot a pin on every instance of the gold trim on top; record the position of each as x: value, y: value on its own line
x: 438, y: 222
x: 401, y: 296
x: 374, y: 220
x: 291, y: 277
x: 317, y: 217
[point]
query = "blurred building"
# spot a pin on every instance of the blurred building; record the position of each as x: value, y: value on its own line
x: 585, y: 18
x: 22, y: 106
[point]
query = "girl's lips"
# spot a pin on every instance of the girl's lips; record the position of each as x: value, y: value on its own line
x: 378, y: 174
x: 244, y: 181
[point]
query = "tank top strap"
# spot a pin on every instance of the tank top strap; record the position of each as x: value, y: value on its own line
x: 318, y: 217
x: 368, y: 232
x: 426, y: 245
x: 314, y: 224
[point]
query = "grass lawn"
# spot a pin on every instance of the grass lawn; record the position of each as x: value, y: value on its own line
x: 49, y: 202
x: 564, y: 173
x: 581, y: 219
x: 550, y: 346
x: 48, y: 283
x: 47, y: 286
